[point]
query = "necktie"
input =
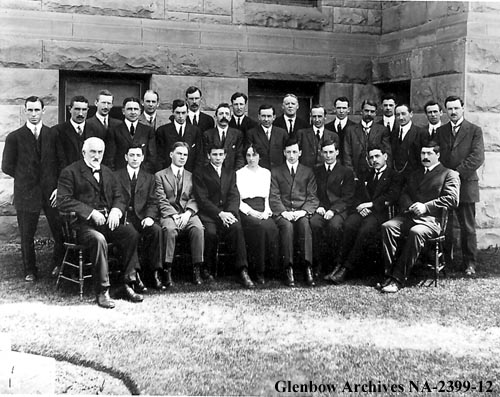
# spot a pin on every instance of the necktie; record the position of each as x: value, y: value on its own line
x: 132, y: 129
x: 97, y: 174
x: 35, y: 133
x: 179, y: 186
x: 105, y: 122
x: 366, y: 130
x: 338, y: 127
x: 223, y: 137
x: 218, y: 171
x: 455, y: 129
x: 329, y: 169
x: 151, y: 121
x: 238, y: 122
x: 180, y: 131
x: 388, y: 126
x: 377, y: 175
x: 133, y: 184
x: 292, y: 172
x: 268, y: 134
x: 79, y: 130
x: 426, y: 170
x: 195, y: 121
x: 400, y: 135
x: 290, y: 127
x: 433, y: 133
x: 318, y: 137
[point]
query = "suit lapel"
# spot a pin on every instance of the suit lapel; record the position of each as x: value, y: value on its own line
x: 87, y: 174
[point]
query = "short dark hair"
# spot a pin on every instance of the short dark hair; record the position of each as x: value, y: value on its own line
x: 34, y: 98
x: 433, y: 144
x: 135, y: 146
x: 388, y: 96
x: 215, y: 146
x: 178, y: 103
x: 406, y: 105
x: 266, y: 106
x: 103, y: 92
x: 192, y: 89
x: 238, y: 95
x: 376, y: 147
x: 175, y: 145
x: 453, y: 98
x: 342, y: 99
x: 152, y: 92
x: 78, y: 98
x: 370, y: 102
x: 131, y: 99
x: 432, y: 102
x: 318, y: 106
x: 330, y: 141
x: 291, y: 141
x: 256, y: 148
x: 222, y: 105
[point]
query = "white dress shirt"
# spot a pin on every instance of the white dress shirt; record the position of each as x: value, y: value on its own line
x: 253, y: 183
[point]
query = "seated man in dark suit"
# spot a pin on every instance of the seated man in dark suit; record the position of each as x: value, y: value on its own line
x: 240, y: 120
x: 335, y: 193
x: 341, y: 122
x: 137, y: 188
x: 130, y: 132
x: 427, y: 192
x: 179, y: 131
x: 269, y: 138
x: 289, y: 121
x: 293, y: 200
x: 230, y: 138
x: 361, y: 238
x: 102, y: 122
x: 91, y: 191
x: 174, y: 189
x: 311, y: 139
x: 219, y: 201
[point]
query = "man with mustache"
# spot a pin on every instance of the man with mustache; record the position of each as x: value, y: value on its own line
x: 462, y: 149
x: 102, y: 121
x: 361, y: 136
x: 427, y: 192
x: 199, y: 119
x: 229, y: 138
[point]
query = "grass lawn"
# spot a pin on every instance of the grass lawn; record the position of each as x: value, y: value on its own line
x: 222, y: 340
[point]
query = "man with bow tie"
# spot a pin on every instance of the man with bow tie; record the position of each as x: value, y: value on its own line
x: 427, y: 192
x: 90, y: 189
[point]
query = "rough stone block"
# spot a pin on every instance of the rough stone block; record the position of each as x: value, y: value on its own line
x: 375, y: 5
x: 210, y: 19
x: 112, y: 32
x: 451, y: 84
x: 290, y: 67
x: 35, y: 24
x: 17, y: 84
x: 365, y: 29
x: 436, y: 9
x: 489, y: 123
x: 391, y: 19
x: 12, y: 119
x: 22, y: 373
x: 350, y: 16
x: 220, y: 7
x: 315, y: 45
x: 15, y: 53
x: 238, y: 12
x: 390, y: 69
x: 173, y: 87
x: 443, y: 59
x: 172, y: 33
x: 149, y: 9
x: 486, y: 7
x: 219, y: 90
x: 269, y: 40
x: 413, y: 13
x: 488, y: 173
x: 362, y: 92
x: 35, y: 5
x: 353, y: 70
x: 184, y: 5
x: 457, y: 7
x: 225, y: 39
x: 488, y: 209
x: 177, y: 16
x: 482, y: 93
x: 185, y: 61
x: 453, y: 30
x: 341, y: 28
x: 331, y: 91
x: 483, y: 56
x: 72, y: 55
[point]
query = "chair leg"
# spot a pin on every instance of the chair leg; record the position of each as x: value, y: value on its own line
x: 436, y: 264
x: 80, y: 272
x: 61, y: 270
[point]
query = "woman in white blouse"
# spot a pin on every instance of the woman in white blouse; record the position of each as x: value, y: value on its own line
x: 261, y: 233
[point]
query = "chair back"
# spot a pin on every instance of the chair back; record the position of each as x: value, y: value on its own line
x: 68, y: 219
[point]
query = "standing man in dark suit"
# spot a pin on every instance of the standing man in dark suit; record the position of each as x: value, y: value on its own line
x: 179, y: 131
x: 406, y: 144
x: 433, y: 113
x: 174, y: 189
x: 101, y: 122
x: 230, y: 138
x: 29, y: 157
x: 462, y: 150
x: 71, y: 134
x: 293, y: 201
x: 341, y: 122
x: 218, y: 199
x: 311, y: 139
x: 336, y: 188
x: 289, y: 120
x: 269, y: 138
x: 150, y: 103
x: 361, y: 238
x: 199, y: 119
x: 130, y: 132
x: 361, y: 136
x: 427, y: 192
x: 137, y: 188
x: 389, y: 119
x: 91, y: 191
x: 240, y: 120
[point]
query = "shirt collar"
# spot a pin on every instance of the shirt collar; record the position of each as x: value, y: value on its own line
x: 389, y: 120
x: 131, y: 171
x: 342, y: 122
x: 75, y: 125
x: 330, y: 166
x: 406, y: 127
x: 128, y: 123
x: 102, y: 118
x: 191, y: 114
x: 321, y: 129
x: 382, y: 169
x: 148, y: 116
x: 458, y: 123
x: 366, y: 125
x: 294, y: 166
x: 175, y: 169
x: 32, y: 126
x: 434, y: 166
x: 434, y: 126
x: 177, y: 125
x: 217, y: 169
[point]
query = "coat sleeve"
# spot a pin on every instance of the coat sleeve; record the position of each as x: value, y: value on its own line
x: 166, y: 209
x: 449, y: 196
x: 9, y: 159
x: 66, y: 191
x: 312, y: 201
x: 275, y: 202
x: 202, y: 196
x: 346, y: 193
x: 475, y: 158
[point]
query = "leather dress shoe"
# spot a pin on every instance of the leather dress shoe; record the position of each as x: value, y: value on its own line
x: 103, y: 300
x: 55, y: 271
x: 139, y: 285
x: 329, y: 276
x: 157, y: 284
x: 289, y: 281
x: 386, y: 282
x: 340, y: 276
x: 205, y: 275
x: 131, y: 295
x: 245, y: 279
x: 196, y: 275
x: 167, y: 277
x: 391, y: 288
x: 309, y: 277
x: 470, y: 270
x: 30, y: 278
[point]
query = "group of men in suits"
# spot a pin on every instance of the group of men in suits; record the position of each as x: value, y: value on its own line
x: 329, y: 189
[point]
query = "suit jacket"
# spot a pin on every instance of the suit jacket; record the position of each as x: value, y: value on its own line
x: 166, y: 192
x: 395, y: 126
x: 298, y: 125
x: 214, y: 194
x: 205, y: 122
x: 382, y: 192
x: 335, y: 189
x: 233, y: 145
x: 32, y: 164
x: 78, y: 191
x: 142, y: 120
x: 356, y: 147
x: 311, y: 148
x: 273, y: 148
x: 69, y: 143
x: 99, y: 128
x: 406, y: 155
x: 167, y: 135
x: 341, y: 134
x: 119, y: 140
x: 246, y: 125
x: 145, y: 200
x: 464, y: 154
x: 437, y: 189
x: 287, y: 193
